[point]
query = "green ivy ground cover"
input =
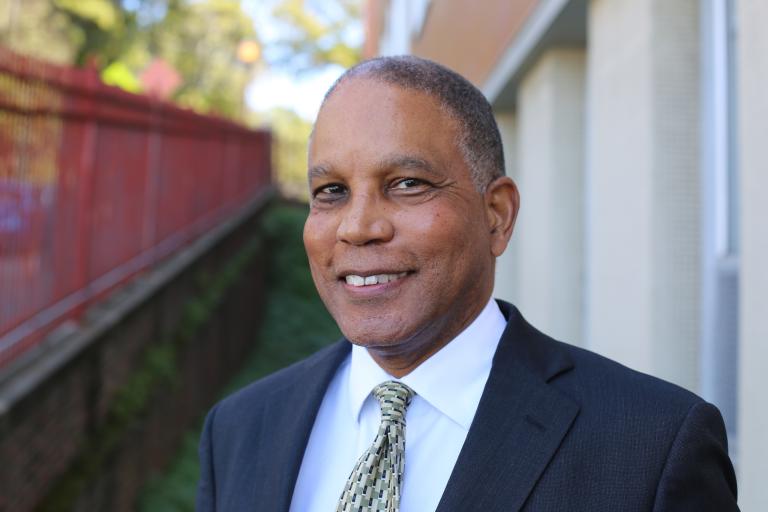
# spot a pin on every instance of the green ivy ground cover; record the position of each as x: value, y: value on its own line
x: 291, y: 305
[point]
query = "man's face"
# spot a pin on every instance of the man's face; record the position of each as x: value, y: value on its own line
x: 398, y: 237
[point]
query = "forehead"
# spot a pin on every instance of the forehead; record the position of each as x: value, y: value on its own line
x: 364, y: 115
x: 359, y: 90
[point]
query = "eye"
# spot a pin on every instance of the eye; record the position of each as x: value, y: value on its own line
x: 406, y: 183
x: 329, y: 192
x: 333, y: 188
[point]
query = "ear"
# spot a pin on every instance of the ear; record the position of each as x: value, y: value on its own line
x: 502, y: 202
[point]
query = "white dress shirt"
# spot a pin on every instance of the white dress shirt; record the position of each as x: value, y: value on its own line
x: 448, y: 387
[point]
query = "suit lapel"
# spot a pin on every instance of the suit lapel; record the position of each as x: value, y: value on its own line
x: 291, y: 423
x: 520, y: 422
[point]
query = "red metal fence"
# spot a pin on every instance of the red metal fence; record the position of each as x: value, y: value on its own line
x: 97, y: 184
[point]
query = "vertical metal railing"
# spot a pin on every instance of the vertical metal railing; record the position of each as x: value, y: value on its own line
x: 97, y: 185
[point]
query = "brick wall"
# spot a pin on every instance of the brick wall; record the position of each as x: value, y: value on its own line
x: 66, y: 440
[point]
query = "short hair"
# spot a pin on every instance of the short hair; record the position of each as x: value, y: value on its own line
x: 479, y: 139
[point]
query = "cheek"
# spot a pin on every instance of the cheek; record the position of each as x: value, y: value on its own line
x: 454, y: 248
x: 319, y: 237
x: 440, y: 233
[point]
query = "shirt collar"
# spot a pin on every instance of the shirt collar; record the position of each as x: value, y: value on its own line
x: 451, y: 380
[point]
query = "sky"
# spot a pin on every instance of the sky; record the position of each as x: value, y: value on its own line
x: 302, y: 94
x: 277, y: 87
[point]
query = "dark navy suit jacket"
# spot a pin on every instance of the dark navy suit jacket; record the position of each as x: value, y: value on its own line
x: 558, y: 428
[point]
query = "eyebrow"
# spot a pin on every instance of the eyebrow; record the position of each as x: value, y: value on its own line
x: 397, y: 161
x: 318, y: 171
x: 407, y: 162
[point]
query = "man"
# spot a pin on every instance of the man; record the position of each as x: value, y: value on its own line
x: 409, y: 210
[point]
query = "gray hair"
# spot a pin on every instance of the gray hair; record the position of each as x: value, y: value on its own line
x: 479, y: 138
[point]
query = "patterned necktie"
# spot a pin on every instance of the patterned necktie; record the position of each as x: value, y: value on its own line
x: 374, y: 484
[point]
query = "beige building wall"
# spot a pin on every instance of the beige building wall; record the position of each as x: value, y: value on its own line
x: 446, y: 31
x: 752, y: 65
x: 550, y: 169
x: 643, y: 185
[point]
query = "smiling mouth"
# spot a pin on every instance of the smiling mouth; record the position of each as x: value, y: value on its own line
x: 357, y: 281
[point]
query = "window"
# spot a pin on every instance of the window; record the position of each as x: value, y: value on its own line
x: 720, y: 205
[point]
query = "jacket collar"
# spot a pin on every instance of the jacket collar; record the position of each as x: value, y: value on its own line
x: 289, y: 431
x: 519, y: 424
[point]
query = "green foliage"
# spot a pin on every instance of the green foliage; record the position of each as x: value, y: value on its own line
x: 103, y: 13
x: 292, y: 304
x: 173, y: 492
x: 197, y: 38
x: 120, y: 75
x: 38, y: 29
x: 318, y: 36
x: 200, y: 39
x: 100, y: 29
x: 289, y: 149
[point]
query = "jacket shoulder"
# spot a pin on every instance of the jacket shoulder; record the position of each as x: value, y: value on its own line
x: 590, y: 379
x: 633, y: 427
x: 261, y: 392
x: 609, y: 382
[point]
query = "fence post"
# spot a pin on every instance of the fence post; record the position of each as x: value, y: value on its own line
x: 86, y: 177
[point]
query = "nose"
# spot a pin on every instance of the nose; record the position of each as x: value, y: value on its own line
x: 365, y: 220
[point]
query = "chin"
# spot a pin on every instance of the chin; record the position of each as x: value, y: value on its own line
x: 374, y: 334
x: 370, y: 338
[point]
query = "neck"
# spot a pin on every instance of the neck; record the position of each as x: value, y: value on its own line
x: 400, y: 365
x: 402, y: 358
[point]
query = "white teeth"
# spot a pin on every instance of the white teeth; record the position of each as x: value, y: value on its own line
x: 375, y: 279
x: 355, y: 280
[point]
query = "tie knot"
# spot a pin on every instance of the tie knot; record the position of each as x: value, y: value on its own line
x: 394, y: 398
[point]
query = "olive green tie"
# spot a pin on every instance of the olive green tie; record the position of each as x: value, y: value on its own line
x: 374, y: 484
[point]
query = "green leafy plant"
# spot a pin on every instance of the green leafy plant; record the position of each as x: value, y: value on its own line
x: 292, y: 303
